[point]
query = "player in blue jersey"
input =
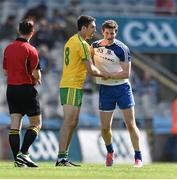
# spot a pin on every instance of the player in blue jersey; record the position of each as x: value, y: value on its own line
x: 111, y: 55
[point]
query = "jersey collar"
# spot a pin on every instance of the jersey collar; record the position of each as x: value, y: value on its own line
x: 110, y: 44
x: 21, y: 39
x: 80, y: 37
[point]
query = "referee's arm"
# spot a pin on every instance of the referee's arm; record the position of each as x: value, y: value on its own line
x: 37, y: 75
x: 5, y: 72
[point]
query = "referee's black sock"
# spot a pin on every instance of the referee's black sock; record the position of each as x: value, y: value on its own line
x: 14, y: 141
x: 29, y: 138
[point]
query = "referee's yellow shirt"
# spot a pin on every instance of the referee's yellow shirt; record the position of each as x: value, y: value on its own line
x: 76, y: 51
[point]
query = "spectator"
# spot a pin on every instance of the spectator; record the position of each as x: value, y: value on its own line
x: 73, y: 8
x: 8, y: 29
x: 44, y: 58
x: 37, y: 13
x: 165, y: 7
x: 149, y: 95
x: 44, y: 35
x: 58, y: 25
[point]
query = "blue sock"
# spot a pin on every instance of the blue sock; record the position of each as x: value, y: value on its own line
x: 110, y: 148
x: 138, y: 155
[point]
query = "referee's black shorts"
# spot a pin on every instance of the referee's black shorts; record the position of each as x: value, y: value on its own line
x: 23, y: 99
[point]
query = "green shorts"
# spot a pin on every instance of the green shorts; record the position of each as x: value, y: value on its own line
x: 71, y: 96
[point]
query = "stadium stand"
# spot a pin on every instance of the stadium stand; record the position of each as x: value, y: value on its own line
x: 52, y: 76
x: 153, y: 111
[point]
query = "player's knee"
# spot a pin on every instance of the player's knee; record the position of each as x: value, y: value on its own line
x: 73, y: 124
x: 70, y: 124
x: 131, y: 126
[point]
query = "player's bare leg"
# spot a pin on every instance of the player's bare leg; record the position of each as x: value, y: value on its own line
x: 70, y: 122
x: 106, y: 123
x: 129, y: 119
x: 71, y: 114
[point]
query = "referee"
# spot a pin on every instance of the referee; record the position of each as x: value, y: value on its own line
x: 22, y: 69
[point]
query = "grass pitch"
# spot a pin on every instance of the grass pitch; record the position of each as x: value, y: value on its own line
x: 90, y: 171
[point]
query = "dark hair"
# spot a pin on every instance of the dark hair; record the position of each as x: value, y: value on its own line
x: 26, y: 26
x: 84, y: 21
x: 110, y: 24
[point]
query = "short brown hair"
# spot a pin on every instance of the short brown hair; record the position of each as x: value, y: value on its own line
x: 84, y: 21
x: 26, y: 26
x: 111, y: 24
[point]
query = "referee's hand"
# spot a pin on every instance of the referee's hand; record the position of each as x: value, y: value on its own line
x: 39, y: 81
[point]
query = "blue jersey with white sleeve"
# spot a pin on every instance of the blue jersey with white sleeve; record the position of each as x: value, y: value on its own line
x: 108, y: 58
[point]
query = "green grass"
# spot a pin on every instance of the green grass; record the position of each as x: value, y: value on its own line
x: 90, y: 171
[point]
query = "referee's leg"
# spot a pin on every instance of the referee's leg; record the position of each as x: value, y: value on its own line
x: 23, y: 156
x: 31, y: 133
x: 14, y: 133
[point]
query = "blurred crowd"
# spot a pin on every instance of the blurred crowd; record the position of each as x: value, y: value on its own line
x: 54, y: 27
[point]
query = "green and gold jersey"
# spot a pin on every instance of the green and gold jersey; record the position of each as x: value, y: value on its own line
x: 76, y: 51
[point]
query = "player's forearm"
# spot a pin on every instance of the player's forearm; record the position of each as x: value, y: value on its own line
x: 96, y: 72
x: 120, y: 75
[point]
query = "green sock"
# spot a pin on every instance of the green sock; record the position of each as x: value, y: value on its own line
x: 63, y: 155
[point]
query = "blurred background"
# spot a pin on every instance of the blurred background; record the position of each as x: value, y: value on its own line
x: 148, y: 28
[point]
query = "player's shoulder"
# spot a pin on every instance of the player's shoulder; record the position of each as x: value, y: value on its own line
x: 76, y: 39
x: 120, y: 44
x: 71, y: 39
